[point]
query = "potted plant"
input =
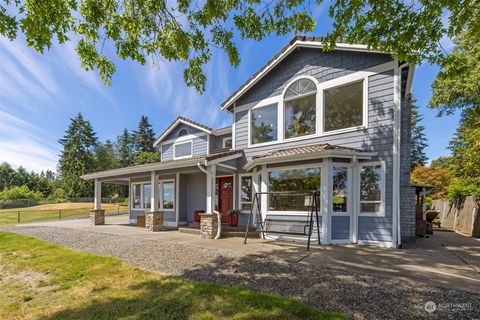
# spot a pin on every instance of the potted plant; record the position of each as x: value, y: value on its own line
x: 234, y: 217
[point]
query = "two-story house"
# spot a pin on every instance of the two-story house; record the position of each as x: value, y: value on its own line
x: 337, y: 122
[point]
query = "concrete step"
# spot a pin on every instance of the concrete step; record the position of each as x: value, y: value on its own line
x: 225, y: 233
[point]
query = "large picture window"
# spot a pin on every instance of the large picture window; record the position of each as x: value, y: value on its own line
x: 340, y: 189
x: 246, y: 193
x: 295, y: 180
x: 300, y: 108
x: 371, y: 189
x: 343, y: 106
x: 264, y: 124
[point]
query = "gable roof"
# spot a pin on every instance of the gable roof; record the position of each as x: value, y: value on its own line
x: 181, y: 120
x: 297, y: 41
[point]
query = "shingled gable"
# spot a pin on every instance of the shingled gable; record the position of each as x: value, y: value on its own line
x: 296, y: 42
x: 182, y: 120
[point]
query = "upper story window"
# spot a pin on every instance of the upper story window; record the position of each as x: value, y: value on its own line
x: 182, y: 133
x: 182, y: 150
x: 343, y: 106
x: 300, y: 108
x: 264, y: 124
x: 227, y: 143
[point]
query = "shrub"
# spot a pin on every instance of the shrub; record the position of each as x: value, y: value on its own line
x: 22, y: 192
x: 59, y: 195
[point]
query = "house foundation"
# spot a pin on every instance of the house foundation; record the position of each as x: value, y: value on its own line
x: 208, y: 225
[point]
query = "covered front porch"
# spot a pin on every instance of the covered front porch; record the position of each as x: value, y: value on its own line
x: 173, y: 193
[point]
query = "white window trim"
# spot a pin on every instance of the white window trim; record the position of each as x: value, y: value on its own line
x: 183, y: 142
x: 226, y: 139
x: 282, y: 108
x: 350, y: 189
x: 160, y: 190
x: 334, y: 84
x: 143, y: 194
x: 264, y: 103
x: 133, y: 196
x: 382, y: 189
x: 160, y: 196
x: 303, y: 166
x: 319, y: 129
x: 240, y: 202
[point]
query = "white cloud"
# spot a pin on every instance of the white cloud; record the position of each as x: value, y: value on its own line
x: 23, y: 144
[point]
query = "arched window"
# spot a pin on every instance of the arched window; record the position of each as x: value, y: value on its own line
x: 182, y: 132
x: 300, y: 108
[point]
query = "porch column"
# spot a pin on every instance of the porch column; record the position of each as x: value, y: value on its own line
x: 209, y: 220
x: 153, y: 217
x: 97, y: 215
x: 264, y: 196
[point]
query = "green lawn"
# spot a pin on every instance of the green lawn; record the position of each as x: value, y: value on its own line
x: 49, y: 212
x: 39, y: 280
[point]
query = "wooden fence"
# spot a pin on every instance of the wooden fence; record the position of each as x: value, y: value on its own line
x: 463, y: 217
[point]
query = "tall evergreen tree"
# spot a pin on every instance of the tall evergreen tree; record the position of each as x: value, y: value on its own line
x: 144, y: 136
x: 7, y: 175
x: 124, y: 148
x: 77, y: 157
x: 418, y: 139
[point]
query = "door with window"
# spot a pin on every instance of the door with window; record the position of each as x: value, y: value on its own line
x: 225, y: 197
x: 341, y: 204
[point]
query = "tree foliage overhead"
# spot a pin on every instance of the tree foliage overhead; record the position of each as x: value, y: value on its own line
x: 187, y: 31
x: 178, y: 30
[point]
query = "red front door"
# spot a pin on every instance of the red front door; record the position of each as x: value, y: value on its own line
x: 225, y: 197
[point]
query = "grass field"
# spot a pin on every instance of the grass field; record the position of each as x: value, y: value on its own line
x: 51, y: 211
x: 40, y: 280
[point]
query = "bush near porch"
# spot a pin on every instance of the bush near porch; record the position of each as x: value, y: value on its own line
x: 48, y: 281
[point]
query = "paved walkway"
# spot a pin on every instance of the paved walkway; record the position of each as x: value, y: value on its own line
x: 362, y: 281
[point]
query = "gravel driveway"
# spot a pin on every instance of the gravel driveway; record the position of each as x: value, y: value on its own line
x: 357, y: 295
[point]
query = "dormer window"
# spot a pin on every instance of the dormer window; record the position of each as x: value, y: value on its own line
x: 300, y: 108
x: 182, y: 133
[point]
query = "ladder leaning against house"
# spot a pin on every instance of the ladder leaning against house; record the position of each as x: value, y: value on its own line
x: 255, y: 215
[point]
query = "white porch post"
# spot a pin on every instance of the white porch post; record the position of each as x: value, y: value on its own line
x: 264, y: 196
x: 326, y: 202
x: 211, y: 188
x: 154, y: 218
x: 97, y: 215
x: 155, y: 192
x: 97, y: 204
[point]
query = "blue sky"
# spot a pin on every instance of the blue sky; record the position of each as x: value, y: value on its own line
x: 39, y: 93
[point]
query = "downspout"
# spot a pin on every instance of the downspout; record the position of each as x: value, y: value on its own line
x: 219, y: 223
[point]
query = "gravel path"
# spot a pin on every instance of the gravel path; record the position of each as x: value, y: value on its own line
x: 357, y: 295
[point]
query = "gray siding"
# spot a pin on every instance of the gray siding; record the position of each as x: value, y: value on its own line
x: 199, y: 148
x: 182, y: 209
x: 216, y: 142
x: 313, y: 62
x: 340, y: 227
x: 377, y: 138
x: 196, y: 194
x: 180, y: 127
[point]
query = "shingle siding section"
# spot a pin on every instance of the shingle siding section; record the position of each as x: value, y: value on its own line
x: 323, y: 66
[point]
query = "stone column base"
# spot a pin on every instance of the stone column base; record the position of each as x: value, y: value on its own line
x: 154, y: 221
x: 97, y: 217
x: 208, y: 225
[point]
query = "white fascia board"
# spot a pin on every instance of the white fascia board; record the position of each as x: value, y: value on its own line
x: 298, y: 43
x: 139, y: 169
x: 311, y: 156
x: 411, y: 72
x: 223, y: 159
x: 176, y: 123
x: 221, y: 132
